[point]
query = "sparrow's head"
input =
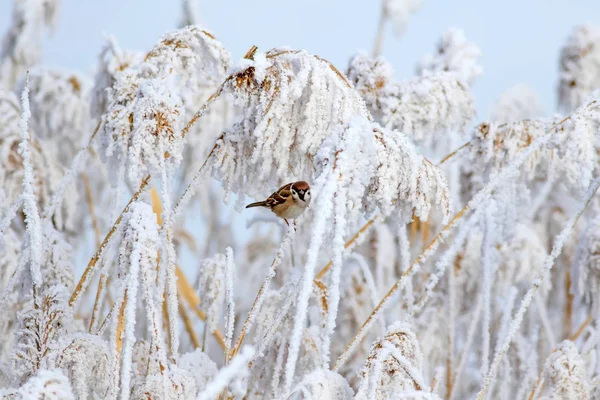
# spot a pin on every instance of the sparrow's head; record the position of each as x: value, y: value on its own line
x: 301, y: 192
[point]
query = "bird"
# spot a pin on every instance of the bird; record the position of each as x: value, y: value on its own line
x: 288, y: 202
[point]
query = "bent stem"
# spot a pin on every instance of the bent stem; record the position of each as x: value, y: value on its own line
x: 83, y: 282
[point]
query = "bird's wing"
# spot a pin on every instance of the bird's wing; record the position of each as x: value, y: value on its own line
x: 280, y: 196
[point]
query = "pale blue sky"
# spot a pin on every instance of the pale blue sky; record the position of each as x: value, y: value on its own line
x: 519, y: 39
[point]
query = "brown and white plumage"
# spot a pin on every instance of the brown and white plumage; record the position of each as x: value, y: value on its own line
x: 288, y: 202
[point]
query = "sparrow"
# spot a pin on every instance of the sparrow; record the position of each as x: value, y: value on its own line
x: 288, y: 202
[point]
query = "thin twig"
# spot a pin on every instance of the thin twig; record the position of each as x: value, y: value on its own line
x: 568, y: 318
x: 96, y: 308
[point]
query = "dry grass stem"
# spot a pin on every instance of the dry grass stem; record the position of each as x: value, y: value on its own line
x: 83, y: 281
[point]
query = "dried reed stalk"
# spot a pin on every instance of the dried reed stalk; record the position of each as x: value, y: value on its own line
x: 90, y: 202
x: 568, y: 318
x: 449, y: 156
x: 189, y: 327
x: 96, y: 308
x: 167, y: 319
x: 86, y: 274
x: 187, y: 292
x: 121, y: 324
x: 259, y: 296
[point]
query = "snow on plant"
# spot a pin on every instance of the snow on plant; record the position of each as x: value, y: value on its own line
x: 589, y: 262
x: 565, y: 372
x: 290, y: 102
x: 398, y: 12
x: 145, y: 112
x: 454, y: 55
x: 423, y: 108
x: 52, y: 92
x: 579, y: 67
x: 393, y: 365
x: 22, y: 44
x: 352, y: 299
x: 518, y: 103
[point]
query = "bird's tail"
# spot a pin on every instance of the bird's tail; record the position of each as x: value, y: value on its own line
x: 257, y: 204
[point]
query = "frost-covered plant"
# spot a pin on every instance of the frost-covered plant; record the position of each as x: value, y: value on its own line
x: 565, y: 372
x: 398, y: 12
x: 453, y: 55
x: 290, y: 101
x: 22, y: 44
x: 41, y: 323
x: 518, y: 103
x: 589, y: 262
x: 423, y: 108
x: 46, y: 384
x: 393, y: 366
x: 145, y: 110
x: 163, y: 309
x: 44, y: 160
x: 212, y: 281
x: 59, y: 103
x: 323, y: 384
x: 579, y: 67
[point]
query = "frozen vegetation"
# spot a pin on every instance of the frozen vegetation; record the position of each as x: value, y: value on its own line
x: 444, y: 255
